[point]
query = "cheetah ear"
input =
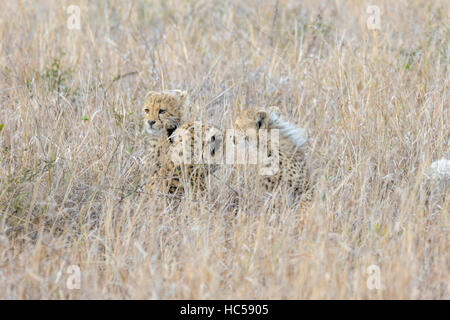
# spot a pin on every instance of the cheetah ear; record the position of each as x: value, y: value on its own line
x: 180, y: 95
x: 150, y: 94
x: 261, y: 119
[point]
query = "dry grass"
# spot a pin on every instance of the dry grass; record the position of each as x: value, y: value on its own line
x: 72, y: 184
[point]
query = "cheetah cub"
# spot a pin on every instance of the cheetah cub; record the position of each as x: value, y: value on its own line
x: 292, y: 175
x: 172, y: 161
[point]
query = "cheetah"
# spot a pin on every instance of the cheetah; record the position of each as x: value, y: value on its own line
x: 293, y: 174
x: 195, y: 152
x: 173, y: 160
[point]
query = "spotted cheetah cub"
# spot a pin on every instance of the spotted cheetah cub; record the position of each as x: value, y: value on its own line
x: 292, y: 175
x: 173, y: 163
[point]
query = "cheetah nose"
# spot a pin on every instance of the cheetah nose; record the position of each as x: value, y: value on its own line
x: 151, y: 122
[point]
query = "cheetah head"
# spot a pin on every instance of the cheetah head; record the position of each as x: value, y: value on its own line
x: 199, y: 140
x: 252, y: 118
x: 163, y: 111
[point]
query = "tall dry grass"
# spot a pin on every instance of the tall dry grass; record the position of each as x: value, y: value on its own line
x: 72, y: 179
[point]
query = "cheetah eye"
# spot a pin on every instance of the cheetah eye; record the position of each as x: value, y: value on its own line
x: 259, y: 124
x: 213, y: 138
x: 146, y: 111
x: 161, y: 111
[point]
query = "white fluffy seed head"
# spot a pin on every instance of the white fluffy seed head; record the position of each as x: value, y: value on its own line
x: 438, y: 178
x: 440, y: 169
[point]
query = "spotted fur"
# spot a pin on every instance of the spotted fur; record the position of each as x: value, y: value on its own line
x: 293, y: 174
x: 163, y: 113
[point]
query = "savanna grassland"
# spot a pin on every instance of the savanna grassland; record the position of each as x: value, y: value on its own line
x: 375, y: 104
